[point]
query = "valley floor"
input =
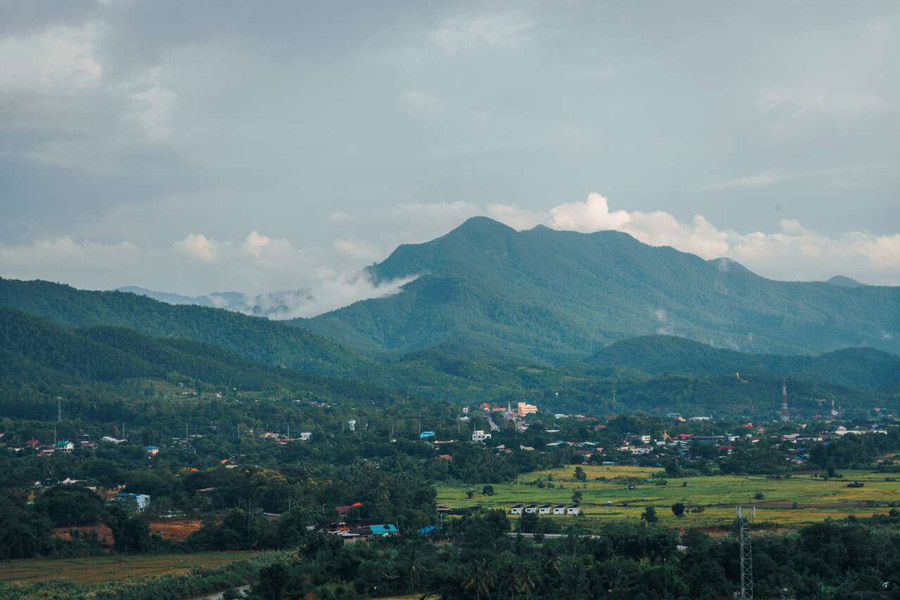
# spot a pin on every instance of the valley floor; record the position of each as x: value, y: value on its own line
x: 606, y: 496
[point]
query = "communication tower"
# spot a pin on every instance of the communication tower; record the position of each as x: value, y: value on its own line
x: 785, y: 415
x: 744, y: 519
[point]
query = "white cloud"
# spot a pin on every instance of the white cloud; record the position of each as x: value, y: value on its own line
x: 811, y: 101
x: 335, y: 290
x: 59, y: 58
x: 199, y: 247
x: 764, y: 179
x: 65, y: 250
x: 419, y: 103
x: 462, y: 33
x: 339, y: 217
x: 151, y: 104
x: 793, y: 252
x: 514, y: 216
x: 267, y: 250
x: 776, y: 176
x: 358, y: 249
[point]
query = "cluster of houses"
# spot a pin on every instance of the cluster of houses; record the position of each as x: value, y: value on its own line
x: 283, y: 439
x: 521, y: 410
x: 360, y: 530
x: 546, y: 509
x: 57, y: 447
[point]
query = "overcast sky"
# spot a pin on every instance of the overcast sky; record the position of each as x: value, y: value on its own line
x: 257, y: 146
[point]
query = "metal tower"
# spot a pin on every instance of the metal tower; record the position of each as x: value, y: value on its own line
x: 744, y: 521
x: 785, y: 415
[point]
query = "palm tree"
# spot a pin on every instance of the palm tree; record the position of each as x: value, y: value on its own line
x: 481, y: 580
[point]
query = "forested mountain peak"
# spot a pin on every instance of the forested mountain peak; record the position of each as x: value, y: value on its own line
x: 544, y: 295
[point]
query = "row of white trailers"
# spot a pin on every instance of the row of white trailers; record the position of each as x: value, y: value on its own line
x: 546, y: 509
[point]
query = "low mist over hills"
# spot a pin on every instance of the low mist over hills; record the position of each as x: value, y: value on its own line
x: 551, y: 296
x: 273, y: 305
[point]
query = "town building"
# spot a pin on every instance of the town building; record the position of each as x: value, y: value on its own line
x: 479, y: 435
x: 524, y: 409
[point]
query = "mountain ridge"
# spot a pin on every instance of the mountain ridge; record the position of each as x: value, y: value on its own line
x: 552, y: 296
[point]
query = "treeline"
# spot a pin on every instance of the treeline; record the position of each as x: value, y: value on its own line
x: 830, y: 560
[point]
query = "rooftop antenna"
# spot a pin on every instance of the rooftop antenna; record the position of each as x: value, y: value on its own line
x: 746, y: 551
x: 785, y: 415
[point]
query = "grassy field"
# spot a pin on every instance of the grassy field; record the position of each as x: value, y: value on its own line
x: 605, y: 496
x: 97, y: 569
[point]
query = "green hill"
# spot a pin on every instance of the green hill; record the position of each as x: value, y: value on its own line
x: 35, y: 351
x: 656, y: 355
x: 254, y: 338
x: 551, y: 296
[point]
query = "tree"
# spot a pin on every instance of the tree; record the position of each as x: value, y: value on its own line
x: 580, y: 475
x: 649, y: 515
x: 487, y: 490
x: 576, y: 496
x: 23, y: 533
x: 70, y: 506
x: 131, y: 533
x: 678, y: 509
x: 272, y: 580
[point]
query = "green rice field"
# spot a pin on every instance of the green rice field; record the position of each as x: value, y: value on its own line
x: 788, y: 502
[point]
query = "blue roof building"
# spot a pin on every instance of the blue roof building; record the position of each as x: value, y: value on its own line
x: 384, y: 529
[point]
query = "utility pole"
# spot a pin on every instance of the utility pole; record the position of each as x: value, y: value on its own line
x: 59, y: 409
x: 746, y: 552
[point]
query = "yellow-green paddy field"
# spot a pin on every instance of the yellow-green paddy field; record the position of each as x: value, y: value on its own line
x: 614, y: 492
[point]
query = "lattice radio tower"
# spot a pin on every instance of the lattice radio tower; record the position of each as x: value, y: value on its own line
x: 744, y: 520
x: 785, y: 415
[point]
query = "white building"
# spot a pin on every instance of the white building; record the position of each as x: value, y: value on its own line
x: 479, y: 435
x: 573, y: 510
x: 516, y: 510
x: 545, y: 510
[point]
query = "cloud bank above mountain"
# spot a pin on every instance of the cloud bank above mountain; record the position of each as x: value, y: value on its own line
x: 190, y: 148
x: 334, y: 277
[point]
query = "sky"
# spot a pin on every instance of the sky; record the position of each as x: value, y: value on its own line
x: 203, y: 146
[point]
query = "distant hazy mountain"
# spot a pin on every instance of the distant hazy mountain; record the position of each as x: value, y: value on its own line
x: 550, y: 296
x: 275, y: 305
x: 841, y: 281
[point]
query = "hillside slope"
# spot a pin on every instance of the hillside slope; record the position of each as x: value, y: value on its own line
x: 36, y: 351
x: 656, y: 355
x: 254, y: 338
x: 551, y: 296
